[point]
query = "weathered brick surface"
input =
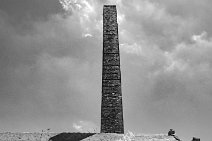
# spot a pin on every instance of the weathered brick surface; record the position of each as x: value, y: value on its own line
x: 111, y: 48
x: 111, y: 110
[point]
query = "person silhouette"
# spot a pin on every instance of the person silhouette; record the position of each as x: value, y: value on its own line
x: 172, y: 133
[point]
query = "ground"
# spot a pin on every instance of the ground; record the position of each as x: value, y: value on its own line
x: 96, y: 137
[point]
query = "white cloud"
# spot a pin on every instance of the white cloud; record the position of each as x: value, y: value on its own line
x: 67, y: 4
x: 197, y: 52
x: 85, y: 126
x: 77, y: 127
x: 134, y: 48
x: 120, y: 18
x: 87, y: 35
x: 200, y: 37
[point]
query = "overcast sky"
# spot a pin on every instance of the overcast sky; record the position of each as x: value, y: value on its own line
x: 50, y: 65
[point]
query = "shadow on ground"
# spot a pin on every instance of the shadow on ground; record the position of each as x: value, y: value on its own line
x: 70, y: 136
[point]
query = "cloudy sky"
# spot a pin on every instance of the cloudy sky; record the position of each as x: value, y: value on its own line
x: 50, y: 65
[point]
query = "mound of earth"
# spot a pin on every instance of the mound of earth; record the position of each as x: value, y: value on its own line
x: 82, y: 137
x: 128, y: 137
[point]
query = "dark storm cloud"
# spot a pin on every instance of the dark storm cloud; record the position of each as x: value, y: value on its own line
x: 191, y: 9
x: 44, y: 69
x: 29, y: 9
x: 171, y: 73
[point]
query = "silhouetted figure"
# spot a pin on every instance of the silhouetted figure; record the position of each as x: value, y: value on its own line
x: 172, y: 133
x: 195, y: 139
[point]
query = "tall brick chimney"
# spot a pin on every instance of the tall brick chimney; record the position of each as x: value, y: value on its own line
x: 111, y: 108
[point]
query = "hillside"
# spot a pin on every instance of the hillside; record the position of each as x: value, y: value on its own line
x: 129, y: 137
x: 97, y: 137
x: 8, y: 136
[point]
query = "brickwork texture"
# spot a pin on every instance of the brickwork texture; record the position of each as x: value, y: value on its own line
x: 111, y: 108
